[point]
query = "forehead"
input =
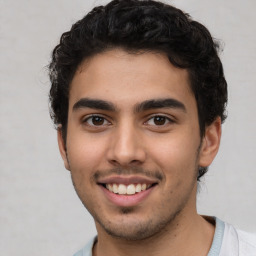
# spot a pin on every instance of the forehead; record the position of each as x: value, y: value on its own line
x: 128, y: 78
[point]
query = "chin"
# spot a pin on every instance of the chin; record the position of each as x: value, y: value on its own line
x: 134, y: 229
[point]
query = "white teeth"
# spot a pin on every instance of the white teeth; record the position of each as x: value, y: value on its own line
x: 130, y: 189
x: 138, y: 188
x: 109, y: 187
x: 122, y: 189
x: 143, y: 187
x: 115, y: 188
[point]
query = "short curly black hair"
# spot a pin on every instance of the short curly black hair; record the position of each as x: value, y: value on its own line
x: 145, y: 25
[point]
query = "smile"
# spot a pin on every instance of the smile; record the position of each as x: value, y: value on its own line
x: 129, y: 189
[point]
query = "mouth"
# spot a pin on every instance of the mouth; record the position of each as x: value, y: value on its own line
x: 129, y: 189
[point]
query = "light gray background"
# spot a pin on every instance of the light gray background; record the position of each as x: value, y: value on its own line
x: 40, y: 213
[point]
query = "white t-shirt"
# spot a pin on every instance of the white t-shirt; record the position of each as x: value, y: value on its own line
x: 227, y: 241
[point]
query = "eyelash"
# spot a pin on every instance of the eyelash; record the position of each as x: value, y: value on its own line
x: 166, y: 120
x: 85, y: 121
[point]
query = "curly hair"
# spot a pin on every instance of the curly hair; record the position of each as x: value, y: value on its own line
x: 145, y: 25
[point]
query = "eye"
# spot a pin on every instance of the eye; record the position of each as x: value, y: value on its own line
x: 159, y: 121
x: 95, y: 120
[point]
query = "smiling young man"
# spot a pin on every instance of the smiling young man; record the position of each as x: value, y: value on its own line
x: 138, y: 96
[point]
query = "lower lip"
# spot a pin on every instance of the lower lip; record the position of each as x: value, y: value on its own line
x: 127, y: 200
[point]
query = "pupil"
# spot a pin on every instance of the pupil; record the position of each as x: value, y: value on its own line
x: 97, y: 120
x: 159, y: 120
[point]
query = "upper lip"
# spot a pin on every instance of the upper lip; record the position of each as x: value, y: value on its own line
x: 126, y: 180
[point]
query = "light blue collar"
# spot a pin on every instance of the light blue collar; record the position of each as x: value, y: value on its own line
x: 218, y: 238
x: 214, y: 251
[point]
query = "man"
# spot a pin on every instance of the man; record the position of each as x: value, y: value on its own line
x: 138, y: 96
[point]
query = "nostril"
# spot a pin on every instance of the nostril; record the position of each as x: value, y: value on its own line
x: 126, y: 152
x: 114, y: 162
x: 135, y: 161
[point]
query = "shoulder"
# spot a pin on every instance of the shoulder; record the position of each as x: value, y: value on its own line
x: 247, y: 242
x: 87, y: 250
x: 244, y: 241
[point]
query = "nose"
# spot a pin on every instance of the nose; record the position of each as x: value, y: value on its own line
x: 126, y: 146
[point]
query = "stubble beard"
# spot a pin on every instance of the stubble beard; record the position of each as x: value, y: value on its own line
x: 138, y: 231
x: 156, y: 225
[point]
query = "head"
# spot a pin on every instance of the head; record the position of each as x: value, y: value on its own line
x: 168, y: 47
x: 137, y: 26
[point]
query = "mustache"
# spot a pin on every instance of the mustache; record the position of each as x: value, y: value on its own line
x: 128, y: 171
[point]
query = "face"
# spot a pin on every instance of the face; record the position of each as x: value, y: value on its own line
x: 133, y: 143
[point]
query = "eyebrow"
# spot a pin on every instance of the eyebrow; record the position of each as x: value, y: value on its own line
x: 140, y: 107
x: 160, y: 103
x: 94, y: 104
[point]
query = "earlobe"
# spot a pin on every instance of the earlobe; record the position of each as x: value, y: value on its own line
x: 210, y: 143
x: 62, y: 148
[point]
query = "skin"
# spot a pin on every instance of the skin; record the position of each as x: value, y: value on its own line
x: 158, y: 143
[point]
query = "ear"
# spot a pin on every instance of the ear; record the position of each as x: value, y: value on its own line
x: 210, y: 143
x: 62, y: 148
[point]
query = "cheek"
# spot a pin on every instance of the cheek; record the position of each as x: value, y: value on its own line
x: 85, y: 154
x: 177, y: 154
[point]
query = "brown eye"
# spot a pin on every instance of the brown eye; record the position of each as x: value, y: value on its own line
x: 159, y: 120
x: 96, y: 121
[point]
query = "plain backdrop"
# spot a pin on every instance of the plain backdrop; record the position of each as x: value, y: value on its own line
x: 40, y: 214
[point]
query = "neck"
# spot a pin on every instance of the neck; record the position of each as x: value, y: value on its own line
x: 187, y: 236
